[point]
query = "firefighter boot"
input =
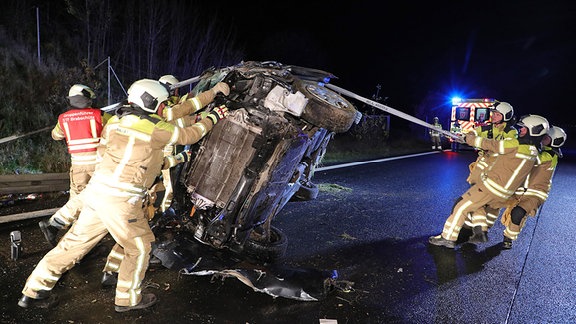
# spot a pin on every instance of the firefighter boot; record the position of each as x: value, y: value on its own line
x: 109, y: 279
x: 147, y: 301
x: 50, y: 232
x: 45, y: 300
x: 438, y: 240
x: 479, y: 236
x: 507, y: 243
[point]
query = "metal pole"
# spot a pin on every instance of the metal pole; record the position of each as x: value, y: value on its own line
x: 38, y: 31
x: 109, y: 95
x: 185, y: 82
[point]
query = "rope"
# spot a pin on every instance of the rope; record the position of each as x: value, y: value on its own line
x: 393, y: 111
x: 15, y: 137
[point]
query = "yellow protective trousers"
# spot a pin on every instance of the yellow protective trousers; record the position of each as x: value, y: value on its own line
x: 103, y: 212
x: 80, y: 175
x: 474, y: 199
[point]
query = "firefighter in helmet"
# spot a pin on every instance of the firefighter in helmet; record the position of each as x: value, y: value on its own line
x: 113, y: 199
x: 435, y: 135
x: 182, y: 112
x: 81, y: 127
x: 500, y: 129
x: 497, y: 182
x: 529, y: 198
x: 168, y: 81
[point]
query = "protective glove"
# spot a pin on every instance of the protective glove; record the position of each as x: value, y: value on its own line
x: 183, y: 156
x: 201, y: 115
x: 218, y: 114
x: 221, y: 87
x: 470, y: 139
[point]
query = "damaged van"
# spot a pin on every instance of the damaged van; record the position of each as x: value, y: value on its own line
x: 241, y: 175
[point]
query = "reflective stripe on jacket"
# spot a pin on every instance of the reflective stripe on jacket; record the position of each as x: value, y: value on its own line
x: 133, y: 155
x: 82, y: 129
x: 510, y: 167
x: 539, y: 182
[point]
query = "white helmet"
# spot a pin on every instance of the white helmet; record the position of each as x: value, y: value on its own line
x: 536, y: 125
x: 82, y: 90
x: 81, y: 96
x: 168, y: 80
x: 505, y: 109
x: 558, y: 136
x: 147, y: 94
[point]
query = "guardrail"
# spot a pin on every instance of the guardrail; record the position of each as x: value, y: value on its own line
x: 27, y: 215
x: 34, y: 183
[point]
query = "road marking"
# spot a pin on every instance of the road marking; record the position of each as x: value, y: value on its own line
x: 345, y: 165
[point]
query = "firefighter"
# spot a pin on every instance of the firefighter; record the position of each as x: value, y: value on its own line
x: 112, y: 200
x: 500, y: 179
x: 167, y: 81
x: 435, y: 135
x: 457, y: 130
x: 179, y: 111
x: 81, y: 127
x: 169, y: 150
x: 529, y: 198
x: 500, y: 129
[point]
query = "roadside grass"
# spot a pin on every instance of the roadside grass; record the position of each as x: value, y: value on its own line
x: 36, y: 154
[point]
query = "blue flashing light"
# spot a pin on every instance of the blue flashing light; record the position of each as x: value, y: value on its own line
x: 456, y: 100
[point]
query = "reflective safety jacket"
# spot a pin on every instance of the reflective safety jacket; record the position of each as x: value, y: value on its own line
x: 498, y: 132
x: 434, y: 132
x: 180, y: 112
x: 538, y: 184
x: 510, y: 167
x: 133, y: 155
x: 186, y: 106
x: 82, y: 128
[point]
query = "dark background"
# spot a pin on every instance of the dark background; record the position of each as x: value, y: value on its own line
x: 419, y: 53
x: 521, y: 52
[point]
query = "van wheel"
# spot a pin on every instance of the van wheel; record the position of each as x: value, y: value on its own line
x: 267, y: 251
x: 326, y: 108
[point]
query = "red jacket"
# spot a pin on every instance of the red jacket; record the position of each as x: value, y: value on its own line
x: 82, y: 129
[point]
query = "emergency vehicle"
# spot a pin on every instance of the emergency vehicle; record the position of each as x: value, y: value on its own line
x: 467, y: 114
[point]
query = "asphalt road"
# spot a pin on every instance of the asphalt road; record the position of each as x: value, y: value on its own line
x: 370, y: 224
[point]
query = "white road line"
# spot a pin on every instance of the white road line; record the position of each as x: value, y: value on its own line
x: 345, y: 165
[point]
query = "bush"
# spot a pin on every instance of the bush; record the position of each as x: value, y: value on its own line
x: 33, y: 96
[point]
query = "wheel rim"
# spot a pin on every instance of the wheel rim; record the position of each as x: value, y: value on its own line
x: 327, y: 96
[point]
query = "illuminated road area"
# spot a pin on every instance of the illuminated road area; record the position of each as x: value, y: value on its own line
x: 370, y: 224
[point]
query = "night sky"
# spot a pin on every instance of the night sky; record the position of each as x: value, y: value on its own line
x: 522, y: 52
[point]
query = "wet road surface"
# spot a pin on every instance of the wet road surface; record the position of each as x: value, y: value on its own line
x: 371, y: 224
